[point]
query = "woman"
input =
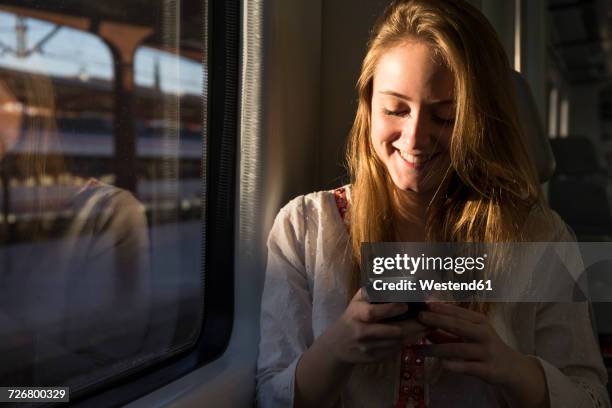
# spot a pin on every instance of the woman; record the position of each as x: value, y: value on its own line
x: 436, y: 153
x: 74, y: 265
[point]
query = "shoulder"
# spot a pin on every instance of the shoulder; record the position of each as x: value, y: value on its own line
x: 313, y: 211
x: 105, y: 206
x: 95, y: 193
x: 317, y: 203
x: 544, y: 225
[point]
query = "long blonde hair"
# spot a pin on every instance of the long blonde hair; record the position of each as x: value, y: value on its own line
x: 491, y: 183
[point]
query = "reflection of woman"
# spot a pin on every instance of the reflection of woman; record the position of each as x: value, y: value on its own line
x: 436, y: 153
x: 75, y: 277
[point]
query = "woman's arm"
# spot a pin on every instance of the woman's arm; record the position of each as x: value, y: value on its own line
x: 320, y: 375
x: 356, y: 337
x: 527, y: 385
x: 286, y: 309
x: 567, y: 372
x: 569, y: 355
x: 565, y: 350
x: 565, y: 342
x: 477, y: 350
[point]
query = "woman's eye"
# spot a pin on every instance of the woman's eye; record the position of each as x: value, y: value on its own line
x: 395, y: 112
x: 444, y: 116
x: 443, y: 121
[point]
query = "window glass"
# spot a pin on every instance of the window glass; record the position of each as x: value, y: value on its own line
x: 100, y: 188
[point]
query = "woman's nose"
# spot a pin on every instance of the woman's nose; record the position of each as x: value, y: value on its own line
x: 416, y: 132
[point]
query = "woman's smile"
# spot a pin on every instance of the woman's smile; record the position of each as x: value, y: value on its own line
x: 417, y: 161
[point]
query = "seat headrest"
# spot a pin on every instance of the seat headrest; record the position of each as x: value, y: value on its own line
x: 537, y: 140
x: 575, y: 156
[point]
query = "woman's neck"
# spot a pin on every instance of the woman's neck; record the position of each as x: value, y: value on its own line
x: 410, y: 214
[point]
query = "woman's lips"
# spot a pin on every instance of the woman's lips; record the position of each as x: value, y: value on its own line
x: 417, y: 161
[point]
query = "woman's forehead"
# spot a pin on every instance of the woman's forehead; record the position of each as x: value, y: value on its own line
x: 413, y: 71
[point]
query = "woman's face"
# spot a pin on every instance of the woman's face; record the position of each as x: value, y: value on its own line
x: 412, y: 116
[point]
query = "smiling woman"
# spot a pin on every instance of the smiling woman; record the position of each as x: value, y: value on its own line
x: 436, y: 153
x: 412, y: 115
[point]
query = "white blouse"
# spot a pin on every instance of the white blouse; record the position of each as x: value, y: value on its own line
x: 309, y: 257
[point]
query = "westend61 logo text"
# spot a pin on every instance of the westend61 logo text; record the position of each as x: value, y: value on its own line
x: 412, y: 264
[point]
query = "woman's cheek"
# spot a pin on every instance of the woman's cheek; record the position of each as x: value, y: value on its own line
x: 378, y: 148
x: 377, y: 140
x: 445, y: 138
x: 381, y: 131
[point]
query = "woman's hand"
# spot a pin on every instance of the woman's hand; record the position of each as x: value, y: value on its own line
x: 359, y: 336
x: 476, y: 349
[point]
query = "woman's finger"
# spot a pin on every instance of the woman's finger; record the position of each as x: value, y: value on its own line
x: 372, y: 312
x: 459, y: 351
x: 412, y: 328
x: 359, y: 296
x: 441, y: 336
x: 375, y: 350
x: 380, y: 331
x: 403, y: 331
x: 450, y: 309
x: 474, y: 368
x: 383, y: 344
x: 454, y: 325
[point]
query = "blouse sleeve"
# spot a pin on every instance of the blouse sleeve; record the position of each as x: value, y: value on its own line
x: 286, y: 309
x: 569, y: 356
x: 568, y: 352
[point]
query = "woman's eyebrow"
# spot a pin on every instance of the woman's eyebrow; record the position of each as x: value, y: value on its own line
x: 396, y: 94
x: 407, y: 98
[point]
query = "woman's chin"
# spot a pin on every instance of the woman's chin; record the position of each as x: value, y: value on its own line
x: 419, y: 184
x: 410, y: 186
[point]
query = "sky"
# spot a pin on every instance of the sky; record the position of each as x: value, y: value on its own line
x: 91, y: 58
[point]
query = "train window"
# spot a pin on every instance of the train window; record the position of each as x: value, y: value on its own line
x: 106, y: 190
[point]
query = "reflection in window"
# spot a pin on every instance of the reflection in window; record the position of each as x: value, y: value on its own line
x: 172, y: 122
x: 165, y: 72
x: 100, y: 191
x: 42, y: 47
